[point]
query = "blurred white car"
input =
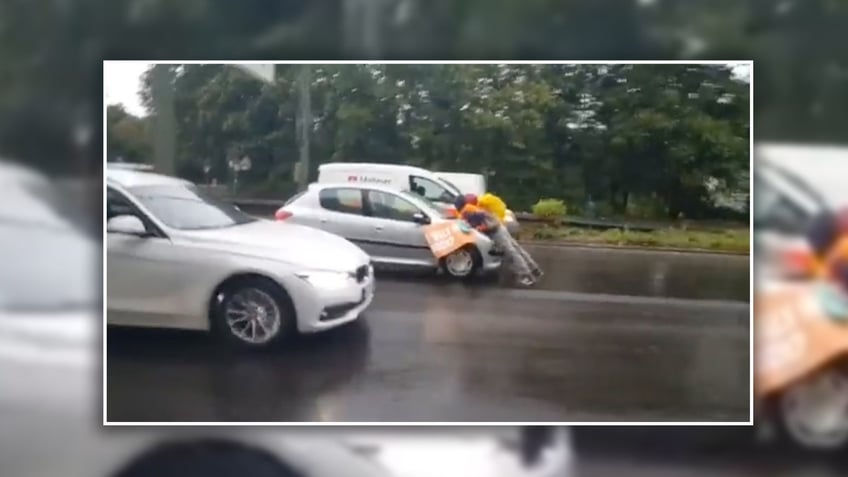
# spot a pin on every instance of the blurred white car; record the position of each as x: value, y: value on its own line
x: 50, y: 390
x: 178, y: 258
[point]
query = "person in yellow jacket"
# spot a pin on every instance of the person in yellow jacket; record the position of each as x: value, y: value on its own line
x: 493, y: 204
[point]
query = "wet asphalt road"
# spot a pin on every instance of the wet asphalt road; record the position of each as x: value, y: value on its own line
x: 608, y: 335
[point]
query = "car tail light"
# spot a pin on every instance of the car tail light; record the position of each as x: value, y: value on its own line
x: 282, y: 214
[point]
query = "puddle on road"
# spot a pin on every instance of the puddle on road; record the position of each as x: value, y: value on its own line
x: 628, y: 272
x: 623, y: 272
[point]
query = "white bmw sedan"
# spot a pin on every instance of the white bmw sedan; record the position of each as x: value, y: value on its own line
x: 177, y: 258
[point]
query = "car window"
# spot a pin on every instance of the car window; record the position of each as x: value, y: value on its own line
x: 430, y: 190
x: 776, y: 212
x: 451, y: 186
x: 117, y: 204
x: 185, y: 207
x: 346, y: 201
x: 391, y: 206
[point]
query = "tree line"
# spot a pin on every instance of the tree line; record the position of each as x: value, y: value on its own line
x: 646, y: 140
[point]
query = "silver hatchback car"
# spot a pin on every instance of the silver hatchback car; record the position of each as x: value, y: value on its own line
x: 387, y: 225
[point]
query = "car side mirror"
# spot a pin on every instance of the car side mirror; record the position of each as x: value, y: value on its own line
x: 127, y: 225
x: 420, y: 218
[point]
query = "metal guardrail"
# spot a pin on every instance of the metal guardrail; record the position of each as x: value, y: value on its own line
x: 267, y: 207
x: 589, y: 223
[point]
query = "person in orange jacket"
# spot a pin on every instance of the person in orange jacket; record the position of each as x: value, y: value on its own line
x: 524, y: 268
x: 827, y: 237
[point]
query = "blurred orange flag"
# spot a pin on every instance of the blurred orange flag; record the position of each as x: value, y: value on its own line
x: 793, y: 337
x: 446, y: 237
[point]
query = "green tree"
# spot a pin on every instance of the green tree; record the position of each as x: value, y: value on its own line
x: 128, y: 137
x: 629, y: 136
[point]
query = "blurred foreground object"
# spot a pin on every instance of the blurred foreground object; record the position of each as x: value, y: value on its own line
x: 51, y: 92
x: 801, y: 365
x: 50, y: 387
x: 801, y: 339
x: 799, y: 187
x: 537, y: 451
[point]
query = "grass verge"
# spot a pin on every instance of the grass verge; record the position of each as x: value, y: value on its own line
x: 729, y: 240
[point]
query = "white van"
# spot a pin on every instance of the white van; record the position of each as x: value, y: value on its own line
x: 405, y: 178
x: 465, y: 182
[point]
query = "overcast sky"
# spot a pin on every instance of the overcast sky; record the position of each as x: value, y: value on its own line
x: 122, y: 82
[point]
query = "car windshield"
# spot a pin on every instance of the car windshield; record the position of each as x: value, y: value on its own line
x: 801, y: 185
x: 450, y: 186
x: 184, y: 207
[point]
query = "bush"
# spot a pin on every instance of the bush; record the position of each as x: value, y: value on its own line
x: 549, y: 209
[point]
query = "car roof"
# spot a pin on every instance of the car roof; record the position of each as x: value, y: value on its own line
x: 822, y: 167
x: 133, y: 178
x: 370, y: 165
x: 133, y: 166
x: 468, y: 175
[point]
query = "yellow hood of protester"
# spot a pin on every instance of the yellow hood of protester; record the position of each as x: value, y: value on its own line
x: 493, y: 204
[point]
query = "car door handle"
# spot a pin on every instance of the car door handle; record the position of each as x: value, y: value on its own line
x: 323, y: 221
x: 378, y: 227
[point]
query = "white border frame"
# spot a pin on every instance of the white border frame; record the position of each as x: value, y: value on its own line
x: 751, y: 403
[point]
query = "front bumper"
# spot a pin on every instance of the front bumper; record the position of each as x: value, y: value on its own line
x: 321, y: 309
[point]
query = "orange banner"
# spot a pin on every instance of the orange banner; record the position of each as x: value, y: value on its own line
x: 446, y: 237
x: 793, y: 337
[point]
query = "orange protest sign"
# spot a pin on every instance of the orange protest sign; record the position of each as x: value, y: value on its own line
x: 447, y: 237
x: 793, y: 336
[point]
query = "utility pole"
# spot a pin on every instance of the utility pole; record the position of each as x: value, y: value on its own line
x: 303, y: 125
x: 164, y: 127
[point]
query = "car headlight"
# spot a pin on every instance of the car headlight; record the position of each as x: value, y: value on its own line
x: 327, y: 280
